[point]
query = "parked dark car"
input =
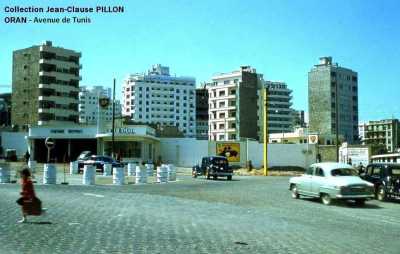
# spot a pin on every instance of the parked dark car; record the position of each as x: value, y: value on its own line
x: 386, y: 179
x: 84, y: 156
x: 213, y: 166
x: 98, y: 161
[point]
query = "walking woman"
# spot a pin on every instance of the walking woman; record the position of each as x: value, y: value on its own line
x: 30, y: 204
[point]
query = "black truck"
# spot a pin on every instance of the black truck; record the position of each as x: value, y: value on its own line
x: 213, y: 166
x: 385, y: 177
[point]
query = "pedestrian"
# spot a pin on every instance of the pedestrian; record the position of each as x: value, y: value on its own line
x: 30, y: 204
x: 27, y: 156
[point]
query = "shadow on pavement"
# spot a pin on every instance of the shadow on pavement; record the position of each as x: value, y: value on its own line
x: 40, y: 222
x: 346, y: 204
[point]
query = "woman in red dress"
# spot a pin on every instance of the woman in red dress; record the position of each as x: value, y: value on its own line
x: 27, y: 193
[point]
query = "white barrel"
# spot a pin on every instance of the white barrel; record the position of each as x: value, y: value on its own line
x: 5, y: 176
x: 32, y: 165
x: 141, y: 175
x: 162, y: 174
x: 89, y: 175
x: 131, y: 169
x: 149, y: 169
x: 171, y: 172
x: 118, y: 176
x: 107, y: 168
x: 73, y: 167
x: 49, y: 174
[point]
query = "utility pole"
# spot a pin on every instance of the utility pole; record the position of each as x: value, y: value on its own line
x: 113, y: 123
x: 337, y: 120
x: 265, y: 120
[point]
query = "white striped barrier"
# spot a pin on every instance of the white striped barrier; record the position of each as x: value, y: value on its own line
x: 49, y: 174
x: 89, y: 175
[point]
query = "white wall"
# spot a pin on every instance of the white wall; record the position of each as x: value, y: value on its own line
x: 187, y: 152
x: 184, y: 152
x: 14, y: 140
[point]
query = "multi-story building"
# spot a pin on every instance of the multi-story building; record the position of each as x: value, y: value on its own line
x: 89, y: 105
x: 232, y: 99
x: 280, y: 114
x: 333, y: 100
x: 384, y: 132
x: 5, y: 109
x: 159, y: 98
x: 202, y: 113
x: 299, y: 119
x: 45, y: 86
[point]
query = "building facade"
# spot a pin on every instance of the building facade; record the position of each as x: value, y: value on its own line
x: 45, y: 86
x: 89, y: 105
x: 232, y: 100
x: 202, y: 113
x: 384, y: 132
x: 280, y: 113
x: 333, y: 100
x: 162, y: 99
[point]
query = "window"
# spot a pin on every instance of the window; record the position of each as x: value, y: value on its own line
x: 221, y: 104
x: 221, y: 93
x: 319, y: 172
x: 226, y: 82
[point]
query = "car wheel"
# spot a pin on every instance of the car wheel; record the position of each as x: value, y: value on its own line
x: 326, y: 199
x: 381, y: 194
x: 229, y: 178
x: 215, y: 177
x: 295, y: 193
x: 360, y: 202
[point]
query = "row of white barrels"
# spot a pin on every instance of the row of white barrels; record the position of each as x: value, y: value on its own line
x: 165, y: 173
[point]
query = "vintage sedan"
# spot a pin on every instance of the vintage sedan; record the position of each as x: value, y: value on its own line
x: 330, y: 181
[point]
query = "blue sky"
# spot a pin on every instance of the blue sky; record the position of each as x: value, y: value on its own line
x: 281, y: 39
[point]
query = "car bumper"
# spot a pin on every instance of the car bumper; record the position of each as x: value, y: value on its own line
x: 223, y: 173
x: 361, y: 196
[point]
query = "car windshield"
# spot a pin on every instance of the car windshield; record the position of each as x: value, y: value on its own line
x: 344, y: 172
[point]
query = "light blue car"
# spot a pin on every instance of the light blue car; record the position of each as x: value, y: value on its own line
x: 329, y: 181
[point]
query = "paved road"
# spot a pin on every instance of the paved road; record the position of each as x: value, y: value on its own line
x: 249, y: 215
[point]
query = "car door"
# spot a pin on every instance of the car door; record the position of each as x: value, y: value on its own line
x: 374, y: 174
x: 318, y: 179
x: 304, y: 184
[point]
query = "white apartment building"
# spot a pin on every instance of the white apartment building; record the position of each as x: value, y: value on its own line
x: 233, y: 105
x: 89, y: 105
x: 159, y: 98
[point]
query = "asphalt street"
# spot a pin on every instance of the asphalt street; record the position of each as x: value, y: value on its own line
x: 247, y: 215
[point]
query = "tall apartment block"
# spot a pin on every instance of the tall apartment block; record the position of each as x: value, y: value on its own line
x: 384, y: 132
x: 159, y: 98
x: 202, y: 113
x: 333, y: 100
x: 89, y: 105
x: 232, y: 100
x: 280, y: 114
x: 45, y: 86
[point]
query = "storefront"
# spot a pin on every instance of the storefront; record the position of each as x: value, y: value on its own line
x: 131, y: 143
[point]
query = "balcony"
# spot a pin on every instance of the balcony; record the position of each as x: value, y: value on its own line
x: 60, y: 75
x: 60, y: 63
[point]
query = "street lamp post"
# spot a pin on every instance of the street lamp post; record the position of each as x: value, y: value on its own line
x: 265, y: 120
